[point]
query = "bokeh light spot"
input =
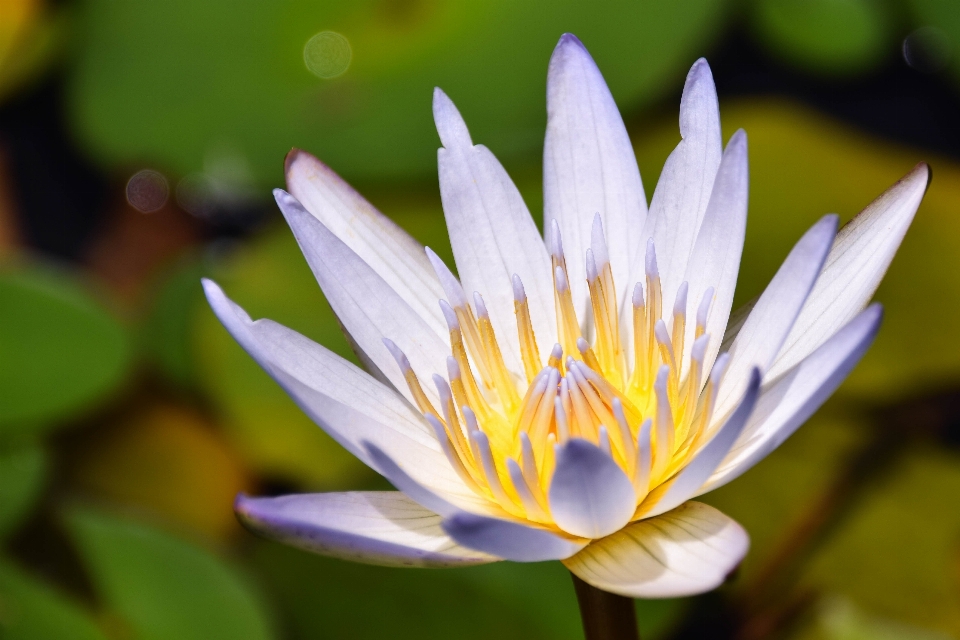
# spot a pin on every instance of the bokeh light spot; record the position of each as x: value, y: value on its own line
x: 927, y: 49
x: 147, y: 191
x: 327, y: 54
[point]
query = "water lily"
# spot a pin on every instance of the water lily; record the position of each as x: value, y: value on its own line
x: 569, y: 394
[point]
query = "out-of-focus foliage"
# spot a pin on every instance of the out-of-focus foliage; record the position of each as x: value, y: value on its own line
x: 30, y: 38
x: 61, y: 350
x: 231, y: 85
x: 23, y: 470
x: 163, y: 588
x: 942, y: 15
x: 212, y: 94
x: 826, y: 36
x: 899, y: 553
x: 32, y: 610
x: 165, y: 333
x: 839, y: 619
x: 328, y: 598
x: 267, y: 427
x: 170, y: 460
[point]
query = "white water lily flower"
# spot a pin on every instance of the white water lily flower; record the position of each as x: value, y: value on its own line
x: 567, y: 397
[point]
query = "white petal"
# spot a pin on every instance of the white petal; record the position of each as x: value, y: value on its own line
x: 793, y: 398
x: 389, y: 250
x: 856, y: 264
x: 774, y: 313
x: 589, y: 168
x: 346, y: 402
x: 374, y: 527
x: 368, y: 307
x: 509, y: 539
x: 715, y: 260
x: 689, y: 550
x: 683, y: 190
x: 492, y: 234
x: 685, y: 484
x: 590, y: 496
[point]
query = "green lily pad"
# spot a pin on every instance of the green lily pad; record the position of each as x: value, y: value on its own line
x: 32, y: 610
x: 165, y: 332
x: 61, y: 350
x: 826, y: 36
x: 897, y: 555
x: 943, y: 17
x: 23, y: 470
x: 163, y: 587
x: 200, y: 86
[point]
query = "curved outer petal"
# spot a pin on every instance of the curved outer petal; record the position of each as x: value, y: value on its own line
x: 792, y: 399
x: 492, y: 234
x: 368, y: 307
x: 715, y: 260
x: 685, y: 484
x: 689, y: 550
x: 589, y: 168
x: 860, y: 256
x: 389, y: 250
x: 346, y: 402
x: 374, y: 527
x: 509, y: 539
x: 768, y: 324
x: 589, y: 494
x: 683, y: 190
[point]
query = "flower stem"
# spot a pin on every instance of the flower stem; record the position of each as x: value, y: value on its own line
x: 606, y: 616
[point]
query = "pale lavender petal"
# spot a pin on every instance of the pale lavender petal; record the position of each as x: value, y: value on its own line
x: 509, y: 539
x: 492, y: 234
x: 346, y: 402
x: 855, y: 266
x: 715, y: 261
x: 589, y: 168
x: 368, y: 307
x: 794, y: 397
x: 389, y: 250
x: 590, y: 496
x: 374, y: 527
x: 689, y: 550
x: 774, y: 313
x: 683, y: 190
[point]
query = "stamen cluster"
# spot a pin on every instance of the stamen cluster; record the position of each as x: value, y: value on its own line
x: 639, y: 396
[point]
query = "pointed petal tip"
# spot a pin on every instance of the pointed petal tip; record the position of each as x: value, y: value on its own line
x: 922, y: 171
x: 241, y: 503
x: 568, y: 40
x: 450, y: 124
x: 699, y: 70
x: 292, y: 156
x: 738, y: 141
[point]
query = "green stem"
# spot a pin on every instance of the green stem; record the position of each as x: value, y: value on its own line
x: 606, y: 616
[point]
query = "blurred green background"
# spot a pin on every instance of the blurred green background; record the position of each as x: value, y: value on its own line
x: 139, y: 142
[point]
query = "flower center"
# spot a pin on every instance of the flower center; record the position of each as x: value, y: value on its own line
x: 636, y: 390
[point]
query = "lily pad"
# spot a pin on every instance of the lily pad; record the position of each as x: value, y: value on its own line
x: 32, y: 610
x: 832, y: 37
x: 62, y: 351
x: 163, y: 587
x: 898, y: 554
x: 23, y: 470
x: 196, y: 86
